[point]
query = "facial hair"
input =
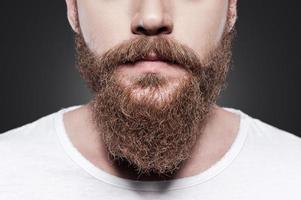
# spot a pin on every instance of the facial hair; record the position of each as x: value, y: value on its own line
x: 152, y: 135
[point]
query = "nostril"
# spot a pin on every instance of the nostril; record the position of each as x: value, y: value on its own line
x: 163, y: 30
x: 140, y: 29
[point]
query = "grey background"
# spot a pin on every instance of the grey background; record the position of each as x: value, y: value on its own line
x: 38, y: 77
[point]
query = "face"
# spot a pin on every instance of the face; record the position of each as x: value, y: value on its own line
x: 155, y: 67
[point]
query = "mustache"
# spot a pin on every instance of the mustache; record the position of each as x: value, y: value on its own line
x: 98, y: 70
x: 134, y: 50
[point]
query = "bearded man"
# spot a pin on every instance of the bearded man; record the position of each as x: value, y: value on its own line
x: 152, y: 129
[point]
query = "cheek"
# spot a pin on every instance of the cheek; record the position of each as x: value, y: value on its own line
x: 201, y: 27
x: 103, y: 26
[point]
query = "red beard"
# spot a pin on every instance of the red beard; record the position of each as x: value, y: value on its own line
x: 153, y: 136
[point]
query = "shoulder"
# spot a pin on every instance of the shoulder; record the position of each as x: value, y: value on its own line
x: 270, y: 158
x: 25, y: 145
x: 27, y: 132
x: 32, y: 156
x: 269, y: 144
x: 271, y: 148
x: 31, y: 152
x: 263, y: 133
x: 274, y: 136
x: 34, y: 140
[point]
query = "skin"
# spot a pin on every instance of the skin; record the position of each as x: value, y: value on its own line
x: 199, y: 24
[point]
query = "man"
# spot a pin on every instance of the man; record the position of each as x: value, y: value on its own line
x: 152, y: 129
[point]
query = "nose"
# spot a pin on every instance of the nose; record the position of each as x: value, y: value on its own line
x: 152, y: 18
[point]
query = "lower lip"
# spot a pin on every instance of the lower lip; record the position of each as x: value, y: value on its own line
x: 150, y: 66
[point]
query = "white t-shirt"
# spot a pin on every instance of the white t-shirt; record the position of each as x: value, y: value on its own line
x: 38, y: 162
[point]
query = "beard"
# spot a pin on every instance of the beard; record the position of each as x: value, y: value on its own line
x: 156, y: 131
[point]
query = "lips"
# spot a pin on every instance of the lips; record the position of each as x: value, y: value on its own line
x: 151, y: 63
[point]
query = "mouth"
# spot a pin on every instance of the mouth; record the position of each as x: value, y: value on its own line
x: 152, y: 63
x: 151, y: 66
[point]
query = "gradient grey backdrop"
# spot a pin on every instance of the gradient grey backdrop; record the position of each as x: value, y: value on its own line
x: 37, y: 74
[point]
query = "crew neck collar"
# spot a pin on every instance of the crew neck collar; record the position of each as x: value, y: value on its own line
x: 129, y: 184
